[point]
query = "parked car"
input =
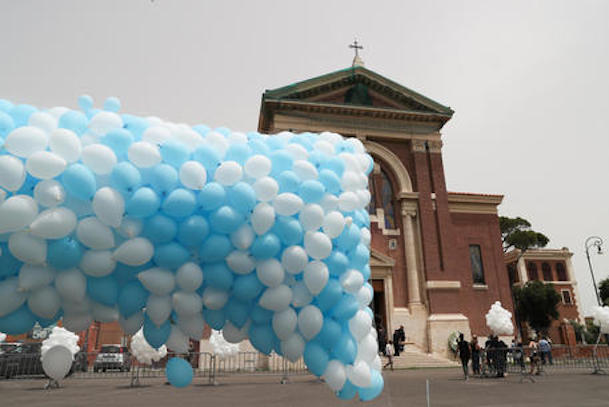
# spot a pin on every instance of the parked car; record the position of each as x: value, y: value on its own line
x: 112, y: 357
x: 21, y: 359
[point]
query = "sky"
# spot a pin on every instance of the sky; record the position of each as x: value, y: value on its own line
x: 528, y: 81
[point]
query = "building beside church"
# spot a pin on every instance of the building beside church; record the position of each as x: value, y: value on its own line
x: 436, y: 255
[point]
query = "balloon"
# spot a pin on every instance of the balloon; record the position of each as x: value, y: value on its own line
x: 132, y: 298
x: 71, y: 285
x: 265, y: 246
x: 310, y: 321
x: 97, y: 263
x: 243, y: 237
x: 94, y: 234
x: 287, y: 204
x: 109, y: 206
x: 257, y: 166
x: 177, y: 341
x: 240, y: 262
x: 79, y: 181
x: 158, y: 281
x: 27, y: 248
x: 335, y: 375
x: 16, y: 213
x: 316, y: 358
x: 192, y: 326
x: 270, y: 272
x: 158, y: 309
x: 189, y: 277
x: 293, y: 347
x: 173, y: 152
x: 375, y: 388
x: 211, y: 196
x: 294, y: 259
x: 215, y: 248
x: 263, y: 218
x: 49, y: 193
x: 144, y: 155
x: 359, y: 325
x: 246, y: 287
x: 25, y: 141
x: 156, y: 336
x: 73, y: 121
x: 262, y: 338
x: 143, y: 203
x: 57, y: 362
x: 180, y: 203
x: 160, y: 229
x: 214, y: 298
x: 315, y: 276
x: 103, y: 290
x: 193, y: 175
x: 12, y: 172
x: 102, y: 122
x: 276, y: 298
x: 53, y: 223
x: 118, y: 140
x: 228, y: 173
x: 186, y: 304
x: 284, y: 323
x: 125, y: 177
x: 164, y: 179
x: 11, y: 298
x: 317, y: 245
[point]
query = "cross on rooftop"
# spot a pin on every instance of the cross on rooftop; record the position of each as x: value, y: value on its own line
x: 356, y: 47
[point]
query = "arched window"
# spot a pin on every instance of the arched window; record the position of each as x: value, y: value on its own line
x: 532, y: 271
x: 561, y: 272
x: 372, y: 187
x: 547, y: 272
x: 382, y: 196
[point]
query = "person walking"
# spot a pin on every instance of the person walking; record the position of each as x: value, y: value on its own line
x: 545, y: 349
x: 464, y: 354
x: 475, y: 350
x: 534, y: 356
x: 389, y: 354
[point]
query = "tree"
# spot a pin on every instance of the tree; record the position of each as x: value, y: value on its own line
x: 536, y: 303
x: 603, y: 291
x: 516, y: 233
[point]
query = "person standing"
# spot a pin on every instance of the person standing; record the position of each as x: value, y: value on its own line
x: 464, y: 354
x: 382, y: 335
x: 534, y: 356
x: 475, y: 350
x: 399, y: 337
x: 546, y: 350
x: 389, y: 354
x: 501, y: 356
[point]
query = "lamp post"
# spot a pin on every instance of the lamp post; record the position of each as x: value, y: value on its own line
x: 594, y: 241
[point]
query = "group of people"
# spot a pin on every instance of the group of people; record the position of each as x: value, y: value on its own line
x: 495, y: 352
x: 391, y: 347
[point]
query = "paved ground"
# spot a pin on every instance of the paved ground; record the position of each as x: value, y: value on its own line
x: 402, y: 388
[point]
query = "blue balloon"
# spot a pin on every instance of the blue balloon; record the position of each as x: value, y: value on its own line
x: 247, y: 287
x: 214, y: 318
x: 375, y: 388
x: 226, y: 220
x: 317, y: 158
x: 330, y: 181
x: 118, y: 140
x: 156, y: 336
x: 6, y: 124
x: 124, y: 273
x: 208, y: 156
x: 242, y: 197
x: 193, y: 231
x: 180, y: 203
x: 219, y: 276
x: 92, y: 112
x: 9, y: 265
x: 73, y: 120
x: 289, y: 230
x: 276, y: 143
x: 345, y: 308
x: 311, y: 191
x: 5, y: 105
x: 237, y: 312
x: 238, y: 152
x: 211, y: 197
x: 330, y: 295
x: 330, y: 331
x: 262, y: 338
x: 160, y: 229
x: 163, y: 179
x: 64, y: 253
x: 337, y: 263
x: 345, y: 348
x: 179, y: 372
x: 265, y: 246
x: 316, y: 358
x: 28, y: 186
x: 215, y: 248
x: 103, y: 290
x: 260, y: 315
x: 347, y: 392
x: 125, y: 177
x: 288, y: 181
x: 170, y: 256
x: 17, y: 322
x: 112, y: 104
x: 85, y: 102
x: 225, y: 131
x: 302, y: 140
x: 21, y: 114
x: 174, y: 153
x: 201, y: 129
x: 79, y: 181
x: 143, y: 203
x: 281, y: 161
x: 349, y: 238
x: 359, y: 257
x: 366, y: 272
x: 258, y: 147
x: 344, y: 146
x: 135, y: 125
x: 334, y: 164
x: 132, y: 298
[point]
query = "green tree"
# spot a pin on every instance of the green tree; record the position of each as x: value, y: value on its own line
x: 603, y: 290
x: 537, y: 304
x: 516, y: 233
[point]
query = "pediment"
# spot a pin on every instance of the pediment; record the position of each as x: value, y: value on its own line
x: 378, y: 259
x: 357, y: 86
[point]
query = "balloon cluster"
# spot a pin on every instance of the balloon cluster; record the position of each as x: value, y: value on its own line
x: 2, y: 337
x: 499, y: 320
x: 601, y: 318
x: 221, y: 347
x: 107, y: 216
x: 143, y: 352
x: 63, y: 337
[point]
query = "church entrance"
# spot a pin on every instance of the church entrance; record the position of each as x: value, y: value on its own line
x: 378, y: 304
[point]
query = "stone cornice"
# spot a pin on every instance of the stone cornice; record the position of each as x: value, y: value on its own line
x: 473, y: 203
x: 538, y: 254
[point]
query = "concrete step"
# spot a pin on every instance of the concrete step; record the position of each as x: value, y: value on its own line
x: 412, y: 358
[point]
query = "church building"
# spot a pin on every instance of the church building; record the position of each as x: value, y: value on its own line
x: 436, y: 255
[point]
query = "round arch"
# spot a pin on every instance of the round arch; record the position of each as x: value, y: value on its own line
x: 404, y: 183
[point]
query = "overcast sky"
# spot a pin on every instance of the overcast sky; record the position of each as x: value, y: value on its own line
x: 528, y: 81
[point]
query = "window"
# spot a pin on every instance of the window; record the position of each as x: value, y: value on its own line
x: 561, y: 272
x: 387, y: 201
x: 546, y: 270
x: 475, y: 258
x: 372, y: 186
x: 566, y: 297
x: 382, y: 196
x: 512, y: 273
x: 532, y: 271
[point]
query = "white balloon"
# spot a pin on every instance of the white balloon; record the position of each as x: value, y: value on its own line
x: 99, y: 158
x: 305, y: 170
x: 158, y: 281
x: 214, y: 299
x: 71, y: 285
x: 109, y: 206
x: 228, y: 173
x: 11, y: 298
x: 293, y: 347
x: 258, y: 166
x: 177, y: 341
x: 243, y: 237
x: 53, y: 223
x: 193, y: 175
x: 156, y: 135
x: 131, y: 324
x: 12, y: 172
x: 311, y: 217
x: 316, y: 276
x: 94, y: 234
x: 57, y: 111
x: 360, y: 324
x: 130, y: 227
x: 367, y: 348
x: 27, y: 248
x: 186, y: 304
x: 266, y: 189
x: 352, y: 280
x: 301, y: 295
x: 158, y: 309
x: 287, y: 204
x: 240, y: 262
x: 105, y: 121
x: 359, y: 374
x: 44, y: 302
x: 33, y: 277
x: 310, y: 321
x: 76, y: 322
x: 262, y: 218
x: 218, y: 142
x: 57, y: 362
x: 103, y: 313
x: 365, y: 237
x: 364, y: 296
x: 347, y: 201
x: 324, y: 147
x: 333, y: 224
x: 276, y: 298
x: 49, y: 193
x: 66, y: 144
x: 297, y: 151
x: 188, y: 137
x: 43, y: 120
x: 80, y: 307
x: 26, y: 140
x: 284, y: 323
x: 294, y: 259
x: 16, y: 213
x: 349, y: 181
x: 97, y: 263
x: 144, y: 155
x: 45, y: 165
x: 189, y: 277
x: 317, y: 245
x: 134, y: 252
x: 192, y: 326
x: 270, y: 272
x: 335, y: 375
x: 329, y: 202
x: 232, y: 334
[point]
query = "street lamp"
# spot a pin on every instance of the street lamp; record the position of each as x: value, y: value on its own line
x: 594, y: 241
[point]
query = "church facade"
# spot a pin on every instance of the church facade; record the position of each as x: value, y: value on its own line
x: 436, y: 255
